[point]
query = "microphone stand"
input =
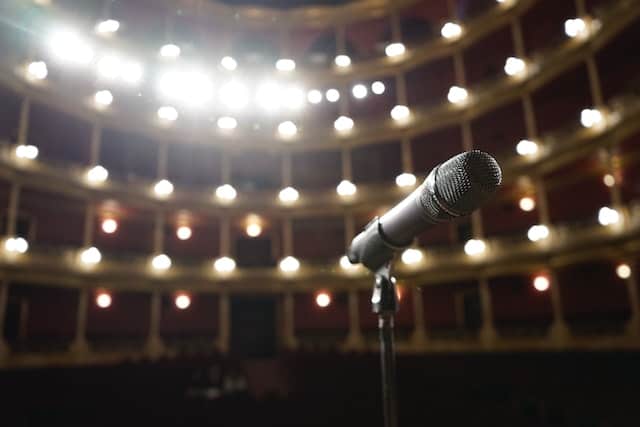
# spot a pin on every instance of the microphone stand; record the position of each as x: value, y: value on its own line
x: 384, y: 303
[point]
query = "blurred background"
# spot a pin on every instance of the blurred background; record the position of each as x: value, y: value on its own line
x: 179, y: 180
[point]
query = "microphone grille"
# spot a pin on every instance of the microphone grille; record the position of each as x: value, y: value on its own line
x: 465, y: 181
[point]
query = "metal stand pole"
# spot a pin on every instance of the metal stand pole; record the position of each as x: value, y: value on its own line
x: 385, y: 304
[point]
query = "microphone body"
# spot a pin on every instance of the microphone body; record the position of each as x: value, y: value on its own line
x: 452, y: 189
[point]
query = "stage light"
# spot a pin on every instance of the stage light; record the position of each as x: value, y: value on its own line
x: 17, y: 245
x: 26, y: 151
x: 411, y: 256
x: 406, y: 179
x: 590, y: 117
x: 285, y: 64
x: 287, y: 129
x: 227, y: 123
x: 527, y: 204
x: 346, y: 188
x: 253, y: 229
x: 609, y: 180
x: 575, y: 28
x: 131, y: 73
x: 163, y: 188
x: 288, y: 195
x: 184, y: 232
x: 514, y: 66
x: 103, y: 98
x: 109, y: 67
x: 293, y: 98
x: 359, y: 91
x: 378, y: 87
x: 224, y: 265
x: 400, y: 113
x: 103, y: 300
x: 332, y: 95
x: 623, y: 271
x: 226, y: 193
x: 394, y: 49
x: 91, y: 256
x: 474, y: 247
x: 343, y: 124
x: 457, y: 95
x: 234, y: 95
x: 68, y: 47
x: 538, y: 232
x: 314, y: 96
x: 228, y: 63
x: 109, y: 225
x: 97, y: 174
x: 451, y: 31
x: 182, y: 301
x: 526, y: 148
x: 190, y: 87
x: 342, y: 61
x: 289, y: 265
x: 108, y: 26
x: 37, y: 70
x: 170, y: 51
x: 323, y: 299
x: 167, y: 113
x: 161, y: 262
x: 608, y: 216
x: 541, y: 283
x: 269, y: 97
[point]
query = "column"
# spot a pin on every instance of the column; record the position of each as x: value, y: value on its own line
x: 80, y: 344
x: 12, y: 209
x: 419, y: 336
x: 96, y: 141
x: 406, y: 155
x: 158, y: 233
x: 488, y: 332
x: 355, y: 339
x: 288, y: 322
x: 4, y: 298
x: 89, y: 219
x: 23, y: 123
x: 633, y: 326
x: 224, y: 323
x: 559, y: 331
x: 155, y: 346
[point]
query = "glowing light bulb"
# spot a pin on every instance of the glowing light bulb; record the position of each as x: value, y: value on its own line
x: 538, y: 232
x: 109, y: 225
x: 16, y: 245
x: 287, y: 129
x: 226, y: 193
x: 590, y: 117
x: 526, y: 148
x: 342, y: 61
x: 91, y: 256
x: 103, y: 98
x: 457, y: 95
x: 475, y: 247
x: 288, y: 195
x: 253, y: 229
x: 163, y: 188
x: 184, y: 232
x: 103, y: 300
x: 37, y: 70
x: 343, y: 124
x: 224, y: 265
x: 359, y: 91
x: 411, y: 256
x: 575, y: 28
x: 514, y: 66
x: 608, y: 216
x: 451, y: 31
x: 623, y: 271
x: 394, y: 50
x: 541, y: 283
x: 332, y: 95
x: 527, y: 204
x: 161, y: 262
x: 285, y: 64
x: 97, y: 174
x: 182, y: 301
x: 289, y: 264
x: 323, y: 299
x: 108, y: 26
x: 170, y: 51
x: 609, y: 180
x: 378, y: 87
x: 168, y: 114
x: 406, y: 180
x: 400, y: 113
x: 227, y: 123
x: 314, y: 96
x: 69, y: 48
x: 346, y: 188
x: 228, y: 63
x: 26, y: 151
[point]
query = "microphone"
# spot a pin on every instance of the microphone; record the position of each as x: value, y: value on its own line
x: 452, y: 189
